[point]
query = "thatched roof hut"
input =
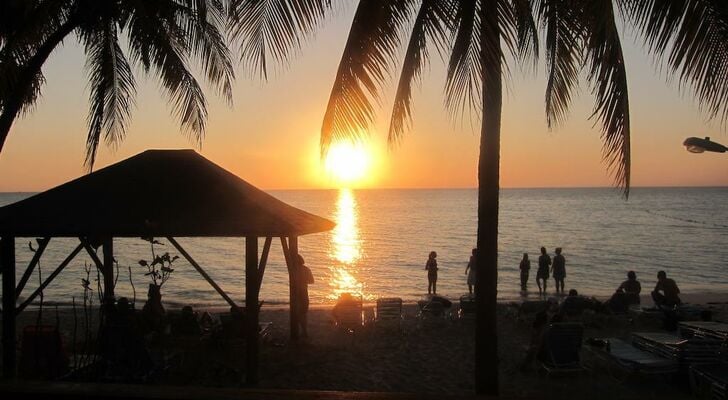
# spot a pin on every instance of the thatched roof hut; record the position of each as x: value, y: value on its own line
x: 157, y: 193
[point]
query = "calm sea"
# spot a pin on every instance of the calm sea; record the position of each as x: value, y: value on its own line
x: 382, y: 238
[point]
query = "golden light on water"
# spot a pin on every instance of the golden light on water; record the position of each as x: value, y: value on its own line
x: 348, y: 163
x: 345, y: 249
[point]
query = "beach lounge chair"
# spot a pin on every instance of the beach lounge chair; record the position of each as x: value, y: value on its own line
x: 561, y: 348
x: 709, y: 381
x: 467, y: 308
x: 434, y: 307
x: 348, y: 314
x: 388, y: 313
x: 689, y: 351
x: 634, y: 360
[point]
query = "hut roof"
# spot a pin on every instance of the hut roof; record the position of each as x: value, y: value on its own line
x: 158, y: 193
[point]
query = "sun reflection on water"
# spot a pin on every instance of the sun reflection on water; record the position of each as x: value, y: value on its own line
x: 345, y: 248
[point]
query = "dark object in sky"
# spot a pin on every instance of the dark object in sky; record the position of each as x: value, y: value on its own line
x: 699, y: 145
x: 158, y: 193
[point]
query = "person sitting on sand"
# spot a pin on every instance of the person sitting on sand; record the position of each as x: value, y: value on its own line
x: 631, y: 287
x: 575, y: 304
x: 627, y: 293
x: 345, y: 301
x: 666, y: 291
x: 525, y: 268
x: 470, y: 270
x: 431, y: 267
x: 544, y: 261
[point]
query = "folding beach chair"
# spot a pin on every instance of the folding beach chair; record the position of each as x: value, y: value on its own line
x: 561, y: 348
x: 709, y: 381
x: 634, y: 360
x: 434, y: 308
x: 467, y: 308
x: 348, y: 315
x: 388, y: 313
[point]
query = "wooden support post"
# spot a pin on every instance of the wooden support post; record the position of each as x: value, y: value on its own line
x: 201, y: 271
x: 43, y: 243
x: 251, y: 307
x: 50, y: 279
x: 7, y: 263
x: 293, y: 317
x: 108, y: 268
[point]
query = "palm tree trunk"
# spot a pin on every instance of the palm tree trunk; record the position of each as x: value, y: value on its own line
x: 14, y: 101
x: 486, y: 338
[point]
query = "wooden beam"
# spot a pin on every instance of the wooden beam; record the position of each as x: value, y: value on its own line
x: 50, y: 279
x: 292, y: 316
x: 108, y: 268
x: 263, y: 260
x: 92, y: 253
x: 42, y: 244
x: 251, y: 309
x: 7, y: 265
x: 201, y: 271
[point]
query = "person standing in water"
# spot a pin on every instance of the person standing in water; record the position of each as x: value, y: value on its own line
x: 470, y: 270
x: 558, y: 270
x: 544, y: 261
x: 525, y: 268
x: 431, y: 267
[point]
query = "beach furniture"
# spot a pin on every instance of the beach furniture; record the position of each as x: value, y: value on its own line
x: 466, y: 311
x: 433, y: 307
x: 561, y: 348
x: 686, y: 351
x: 706, y: 329
x: 631, y: 359
x: 349, y: 315
x: 388, y: 312
x: 709, y: 381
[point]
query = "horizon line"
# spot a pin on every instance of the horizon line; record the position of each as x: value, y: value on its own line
x: 457, y: 188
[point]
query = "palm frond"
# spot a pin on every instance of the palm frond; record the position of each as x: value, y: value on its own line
x: 112, y: 89
x: 464, y: 72
x: 364, y: 67
x: 273, y: 28
x: 526, y: 30
x: 161, y: 46
x: 694, y: 36
x: 609, y: 78
x: 206, y: 20
x: 564, y: 31
x: 431, y: 25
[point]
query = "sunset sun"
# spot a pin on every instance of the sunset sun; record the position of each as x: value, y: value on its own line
x: 347, y: 163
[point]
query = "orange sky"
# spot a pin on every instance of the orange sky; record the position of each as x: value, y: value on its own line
x: 270, y: 136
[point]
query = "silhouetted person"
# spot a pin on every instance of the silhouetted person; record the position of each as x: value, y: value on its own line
x: 558, y: 270
x: 631, y: 288
x: 627, y: 293
x: 666, y: 291
x: 544, y: 261
x: 306, y: 279
x: 525, y: 267
x: 431, y: 267
x: 470, y: 270
x: 345, y: 301
x: 186, y: 324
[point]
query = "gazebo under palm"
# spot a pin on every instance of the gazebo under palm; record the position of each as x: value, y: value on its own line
x: 157, y: 193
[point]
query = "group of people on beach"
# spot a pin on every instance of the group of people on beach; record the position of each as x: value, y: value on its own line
x: 546, y: 266
x: 665, y: 293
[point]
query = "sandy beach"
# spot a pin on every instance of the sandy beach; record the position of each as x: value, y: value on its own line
x: 421, y: 357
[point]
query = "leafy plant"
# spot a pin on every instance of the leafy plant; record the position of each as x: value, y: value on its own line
x: 159, y: 269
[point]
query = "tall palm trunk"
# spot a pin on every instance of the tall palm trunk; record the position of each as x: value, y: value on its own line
x: 14, y: 102
x: 486, y: 339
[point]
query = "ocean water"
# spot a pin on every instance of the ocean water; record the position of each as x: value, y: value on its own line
x: 382, y: 238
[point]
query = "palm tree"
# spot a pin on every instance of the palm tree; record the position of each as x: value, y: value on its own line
x: 163, y: 36
x: 476, y: 36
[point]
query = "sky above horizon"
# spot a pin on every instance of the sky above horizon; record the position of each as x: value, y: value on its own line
x: 270, y: 136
